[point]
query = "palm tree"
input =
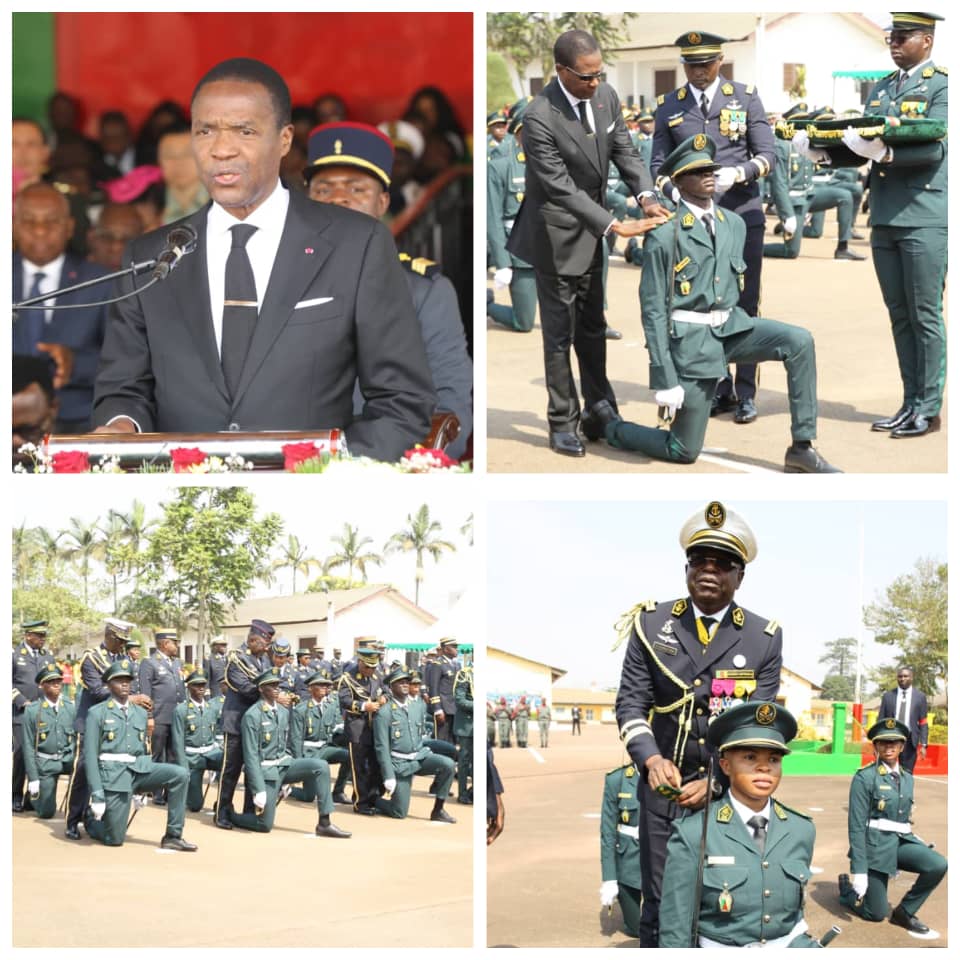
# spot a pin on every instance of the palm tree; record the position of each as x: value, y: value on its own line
x: 293, y: 555
x: 24, y: 553
x: 48, y: 548
x: 351, y: 553
x: 136, y: 531
x: 115, y: 550
x: 86, y: 546
x: 422, y: 536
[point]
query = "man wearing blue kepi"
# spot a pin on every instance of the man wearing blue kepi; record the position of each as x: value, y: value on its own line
x: 693, y: 275
x: 756, y: 863
x: 732, y: 115
x: 882, y: 840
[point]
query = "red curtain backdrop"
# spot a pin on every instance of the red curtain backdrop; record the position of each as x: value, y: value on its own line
x: 130, y: 61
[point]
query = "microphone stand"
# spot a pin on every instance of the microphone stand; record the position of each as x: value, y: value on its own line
x: 133, y: 270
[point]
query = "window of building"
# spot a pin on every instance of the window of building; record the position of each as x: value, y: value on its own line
x: 589, y: 713
x: 664, y: 81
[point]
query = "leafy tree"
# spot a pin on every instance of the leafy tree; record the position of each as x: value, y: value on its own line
x: 421, y: 535
x: 836, y: 686
x: 912, y: 617
x: 294, y: 555
x: 69, y: 620
x: 83, y: 544
x: 499, y: 88
x: 352, y: 554
x: 136, y: 532
x: 326, y: 582
x: 24, y: 554
x: 204, y: 555
x: 841, y: 656
x: 48, y: 549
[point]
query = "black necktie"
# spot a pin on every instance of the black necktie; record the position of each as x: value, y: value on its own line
x: 239, y: 306
x: 584, y: 119
x: 36, y: 318
x: 708, y: 223
x: 704, y: 105
x: 759, y: 825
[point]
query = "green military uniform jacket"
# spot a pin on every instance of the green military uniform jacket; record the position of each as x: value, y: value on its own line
x: 620, y: 827
x: 111, y: 732
x: 417, y: 708
x: 874, y: 795
x: 313, y: 721
x: 463, y: 697
x: 264, y: 733
x: 397, y: 741
x: 748, y: 896
x: 791, y: 180
x: 49, y: 739
x: 680, y: 254
x: 193, y: 731
x: 506, y: 180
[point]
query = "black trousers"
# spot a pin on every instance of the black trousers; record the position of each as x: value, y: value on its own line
x: 78, y: 793
x: 366, y: 774
x: 230, y: 771
x: 444, y: 731
x: 571, y: 314
x: 908, y: 757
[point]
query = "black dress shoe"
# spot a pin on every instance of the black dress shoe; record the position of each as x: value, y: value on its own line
x: 340, y: 798
x: 223, y: 820
x: 177, y: 843
x: 916, y: 426
x: 897, y: 420
x: 594, y: 421
x: 331, y: 830
x: 441, y: 816
x: 567, y: 443
x: 612, y: 334
x: 843, y: 882
x: 467, y: 800
x: 18, y: 806
x: 847, y: 255
x: 366, y: 811
x: 746, y: 412
x: 159, y: 801
x: 723, y: 404
x: 901, y: 918
x: 72, y: 833
x: 806, y: 460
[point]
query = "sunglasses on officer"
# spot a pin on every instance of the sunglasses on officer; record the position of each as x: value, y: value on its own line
x: 899, y: 37
x: 723, y: 562
x: 585, y: 77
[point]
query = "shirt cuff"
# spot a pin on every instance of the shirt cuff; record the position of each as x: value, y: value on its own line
x: 123, y: 416
x: 609, y: 226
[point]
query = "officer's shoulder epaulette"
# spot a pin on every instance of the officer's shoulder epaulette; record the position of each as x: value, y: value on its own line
x: 781, y: 810
x: 942, y: 70
x: 421, y: 265
x: 749, y: 88
x: 660, y: 99
x: 771, y: 628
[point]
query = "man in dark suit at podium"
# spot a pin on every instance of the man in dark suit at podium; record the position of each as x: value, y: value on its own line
x: 909, y: 706
x: 282, y: 306
x: 571, y: 133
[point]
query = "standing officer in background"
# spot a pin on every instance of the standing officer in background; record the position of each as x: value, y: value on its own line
x: 909, y: 706
x: 521, y: 721
x: 161, y: 679
x: 463, y: 733
x: 132, y: 649
x: 620, y: 846
x: 29, y: 658
x: 571, y: 133
x: 439, y: 677
x: 48, y: 741
x: 243, y: 668
x: 908, y: 216
x: 215, y: 666
x: 361, y: 694
x: 732, y: 114
x: 504, y: 722
x: 543, y: 721
x: 686, y: 661
x: 882, y: 840
x: 193, y: 738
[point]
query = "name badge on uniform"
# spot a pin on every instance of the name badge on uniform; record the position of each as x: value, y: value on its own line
x: 667, y: 648
x: 721, y: 861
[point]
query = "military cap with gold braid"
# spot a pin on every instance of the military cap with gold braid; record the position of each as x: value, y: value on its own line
x: 718, y: 528
x: 369, y: 656
x: 320, y: 677
x: 350, y: 145
x: 119, y: 628
x: 756, y: 723
x: 888, y: 729
x: 165, y: 635
x: 497, y: 116
x: 914, y: 21
x: 49, y: 672
x: 699, y: 47
x: 119, y: 668
x: 400, y: 673
x: 198, y: 676
x: 38, y: 627
x: 269, y: 676
x: 695, y: 153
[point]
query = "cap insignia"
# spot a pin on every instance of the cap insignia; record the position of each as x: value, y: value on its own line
x: 890, y: 724
x: 338, y: 146
x: 715, y: 515
x: 693, y: 39
x: 699, y: 143
x: 766, y: 714
x: 125, y: 664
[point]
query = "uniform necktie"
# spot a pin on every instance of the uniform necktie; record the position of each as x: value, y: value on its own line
x: 901, y: 80
x: 704, y: 105
x: 239, y: 306
x: 35, y: 318
x: 708, y: 223
x: 759, y: 825
x: 584, y: 119
x: 902, y: 708
x: 895, y: 777
x: 704, y: 626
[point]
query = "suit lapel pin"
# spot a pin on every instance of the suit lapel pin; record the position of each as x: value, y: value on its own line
x: 308, y: 250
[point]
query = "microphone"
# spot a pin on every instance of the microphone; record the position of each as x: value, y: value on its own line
x: 180, y: 241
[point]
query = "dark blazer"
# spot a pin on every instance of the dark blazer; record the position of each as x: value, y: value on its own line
x: 81, y: 330
x: 160, y: 364
x: 918, y: 712
x: 562, y: 214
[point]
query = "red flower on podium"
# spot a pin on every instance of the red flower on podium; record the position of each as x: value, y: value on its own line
x: 296, y: 453
x: 183, y: 458
x: 70, y: 461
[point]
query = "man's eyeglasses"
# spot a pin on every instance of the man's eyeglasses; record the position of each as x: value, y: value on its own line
x: 899, y: 37
x: 726, y: 564
x: 586, y: 77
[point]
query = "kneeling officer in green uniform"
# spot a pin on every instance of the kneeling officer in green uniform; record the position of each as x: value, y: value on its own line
x: 401, y: 754
x: 620, y: 846
x: 268, y: 767
x: 756, y: 861
x: 194, y: 737
x: 693, y: 275
x: 119, y: 767
x: 882, y: 840
x: 49, y: 741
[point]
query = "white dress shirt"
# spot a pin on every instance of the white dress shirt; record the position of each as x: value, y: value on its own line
x: 574, y: 103
x: 51, y: 280
x: 710, y: 91
x: 745, y: 813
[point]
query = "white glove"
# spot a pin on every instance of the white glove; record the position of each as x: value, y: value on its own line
x: 260, y: 799
x: 286, y: 790
x: 140, y: 800
x: 98, y: 809
x: 608, y: 892
x: 631, y: 202
x: 672, y: 398
x: 33, y: 788
x: 789, y: 227
x: 859, y: 883
x: 874, y: 150
x: 801, y: 143
x: 502, y: 278
x: 726, y: 177
x: 390, y: 785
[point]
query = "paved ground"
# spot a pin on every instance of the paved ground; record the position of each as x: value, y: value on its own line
x: 407, y: 883
x: 543, y: 873
x: 838, y: 301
